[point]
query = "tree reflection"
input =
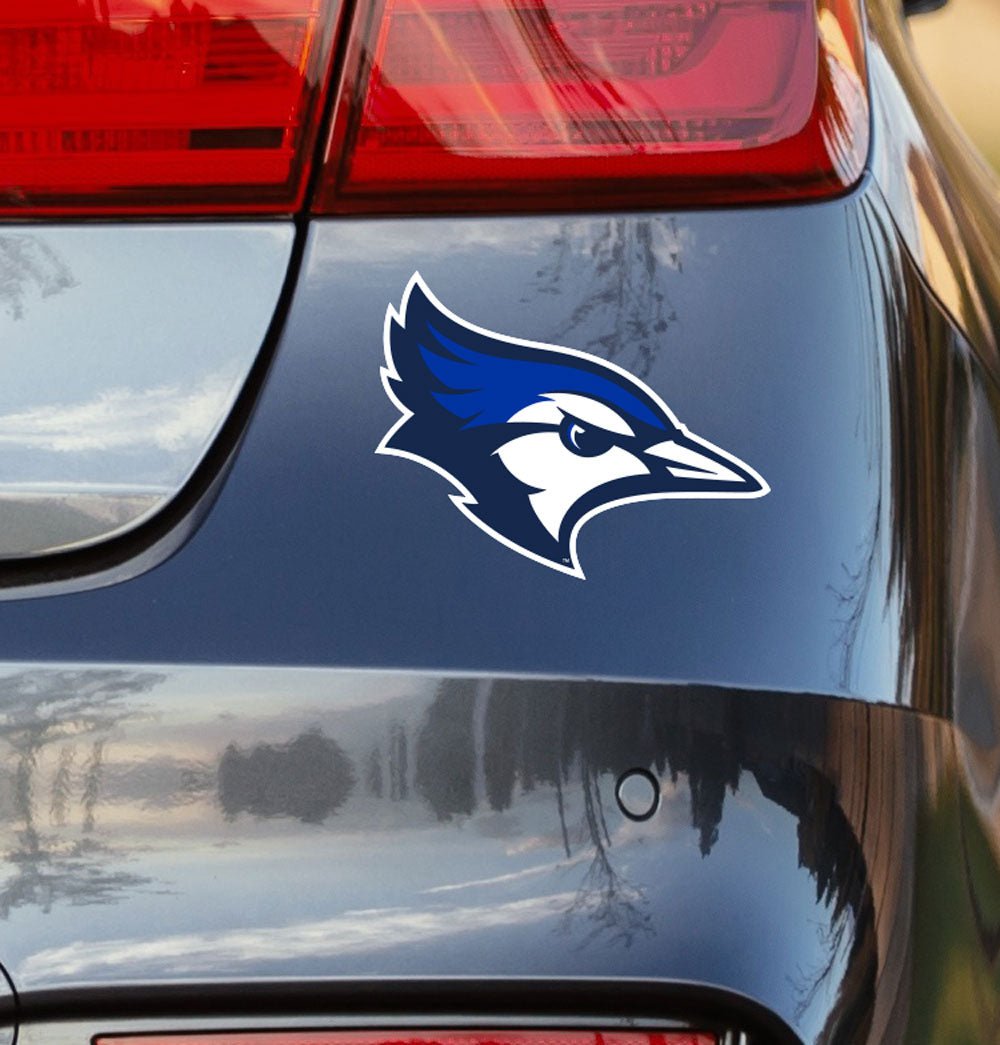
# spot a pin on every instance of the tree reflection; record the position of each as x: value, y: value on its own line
x: 446, y: 751
x: 399, y: 787
x: 624, y: 309
x: 576, y: 739
x: 308, y: 778
x: 75, y: 709
x: 373, y: 773
x: 28, y: 264
x: 615, y: 908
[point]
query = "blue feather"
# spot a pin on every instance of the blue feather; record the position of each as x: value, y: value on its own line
x: 480, y: 380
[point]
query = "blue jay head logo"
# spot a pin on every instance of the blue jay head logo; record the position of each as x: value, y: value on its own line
x: 537, y: 439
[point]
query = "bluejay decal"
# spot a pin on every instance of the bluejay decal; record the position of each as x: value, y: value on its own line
x: 537, y: 439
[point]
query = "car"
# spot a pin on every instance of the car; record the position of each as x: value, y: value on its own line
x: 500, y: 527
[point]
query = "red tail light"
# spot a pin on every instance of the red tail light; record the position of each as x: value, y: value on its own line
x: 212, y: 106
x: 404, y: 1037
x: 493, y: 104
x: 158, y: 105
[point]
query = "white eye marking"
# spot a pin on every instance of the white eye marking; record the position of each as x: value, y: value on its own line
x: 559, y: 477
x: 554, y: 406
x: 543, y: 412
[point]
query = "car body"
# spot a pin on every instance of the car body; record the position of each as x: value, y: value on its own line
x: 304, y: 748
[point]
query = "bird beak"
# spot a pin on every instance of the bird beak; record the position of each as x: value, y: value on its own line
x: 695, y: 461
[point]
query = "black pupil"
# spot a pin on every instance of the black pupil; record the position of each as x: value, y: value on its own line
x: 585, y: 440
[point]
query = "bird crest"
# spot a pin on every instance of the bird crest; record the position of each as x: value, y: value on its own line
x: 537, y: 439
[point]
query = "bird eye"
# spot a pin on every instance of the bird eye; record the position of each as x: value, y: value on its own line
x: 585, y: 440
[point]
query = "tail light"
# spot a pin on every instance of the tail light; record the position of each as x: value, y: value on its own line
x: 158, y: 105
x: 493, y: 104
x: 213, y: 106
x: 404, y: 1037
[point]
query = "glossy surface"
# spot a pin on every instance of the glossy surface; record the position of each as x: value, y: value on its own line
x: 248, y: 845
x: 162, y: 824
x: 123, y: 352
x: 944, y: 200
x: 810, y: 362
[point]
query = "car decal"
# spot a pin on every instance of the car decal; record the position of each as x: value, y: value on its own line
x: 537, y: 439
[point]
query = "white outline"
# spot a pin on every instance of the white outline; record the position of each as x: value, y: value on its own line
x: 464, y: 498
